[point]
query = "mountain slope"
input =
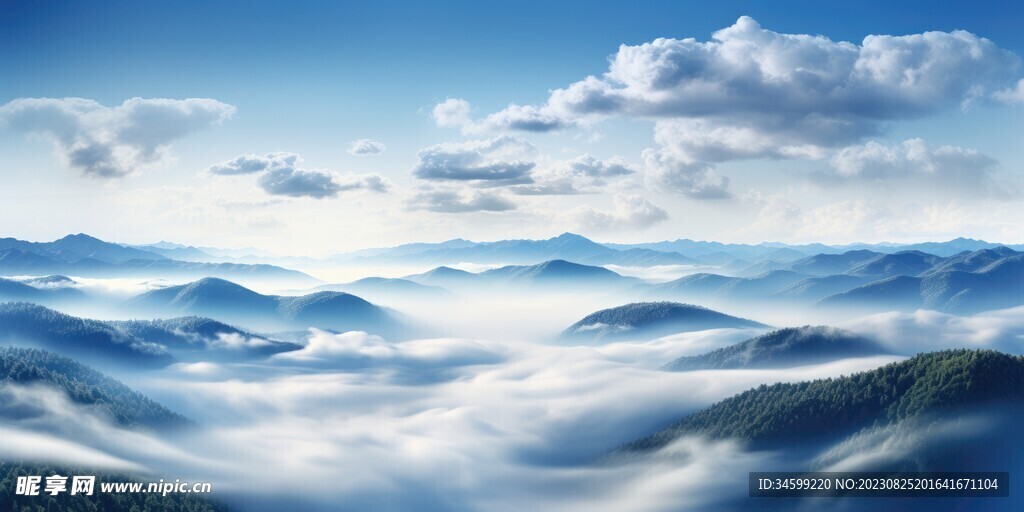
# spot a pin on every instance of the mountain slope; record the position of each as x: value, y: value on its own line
x: 906, y: 263
x: 830, y: 408
x: 788, y: 347
x: 90, y: 340
x: 203, y: 336
x: 649, y: 320
x: 85, y: 386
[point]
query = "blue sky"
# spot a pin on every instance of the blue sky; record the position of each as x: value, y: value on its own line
x: 311, y: 77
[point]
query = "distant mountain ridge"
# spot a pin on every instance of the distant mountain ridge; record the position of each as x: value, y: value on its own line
x: 86, y: 256
x: 996, y: 283
x: 558, y: 274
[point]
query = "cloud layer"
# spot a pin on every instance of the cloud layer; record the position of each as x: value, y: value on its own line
x: 110, y: 142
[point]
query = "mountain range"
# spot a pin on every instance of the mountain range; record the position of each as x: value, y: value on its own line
x: 906, y: 280
x: 551, y: 275
x: 86, y: 256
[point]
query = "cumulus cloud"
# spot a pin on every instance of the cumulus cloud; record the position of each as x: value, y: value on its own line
x: 749, y: 92
x: 630, y: 212
x: 1013, y: 95
x: 759, y: 79
x: 109, y: 142
x: 502, y: 160
x: 281, y: 174
x: 697, y: 180
x: 964, y: 170
x: 452, y: 113
x: 583, y: 174
x: 455, y: 201
x: 366, y: 147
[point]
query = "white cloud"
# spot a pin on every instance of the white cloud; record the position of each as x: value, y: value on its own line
x: 503, y: 160
x: 366, y: 147
x: 356, y: 350
x: 280, y: 174
x: 452, y: 113
x: 1012, y: 95
x: 951, y: 167
x: 581, y: 175
x: 630, y: 212
x: 697, y: 180
x: 751, y: 93
x: 455, y: 201
x: 110, y: 142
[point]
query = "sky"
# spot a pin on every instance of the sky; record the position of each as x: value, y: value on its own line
x: 320, y: 127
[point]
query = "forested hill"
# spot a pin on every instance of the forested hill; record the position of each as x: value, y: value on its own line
x: 831, y: 407
x: 85, y: 386
x: 90, y: 340
x: 788, y: 347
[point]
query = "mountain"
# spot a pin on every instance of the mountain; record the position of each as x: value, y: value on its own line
x: 814, y: 289
x: 706, y: 286
x: 824, y: 410
x: 649, y: 320
x: 85, y: 386
x: 11, y: 290
x: 203, y: 337
x: 78, y: 247
x: 379, y: 288
x: 828, y: 264
x: 793, y: 346
x: 91, y: 340
x: 445, y: 277
x: 567, y: 246
x: 556, y: 273
x: 227, y: 301
x: 86, y: 256
x: 178, y: 252
x: 998, y: 285
x: 903, y: 263
x: 951, y: 247
x: 972, y: 261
